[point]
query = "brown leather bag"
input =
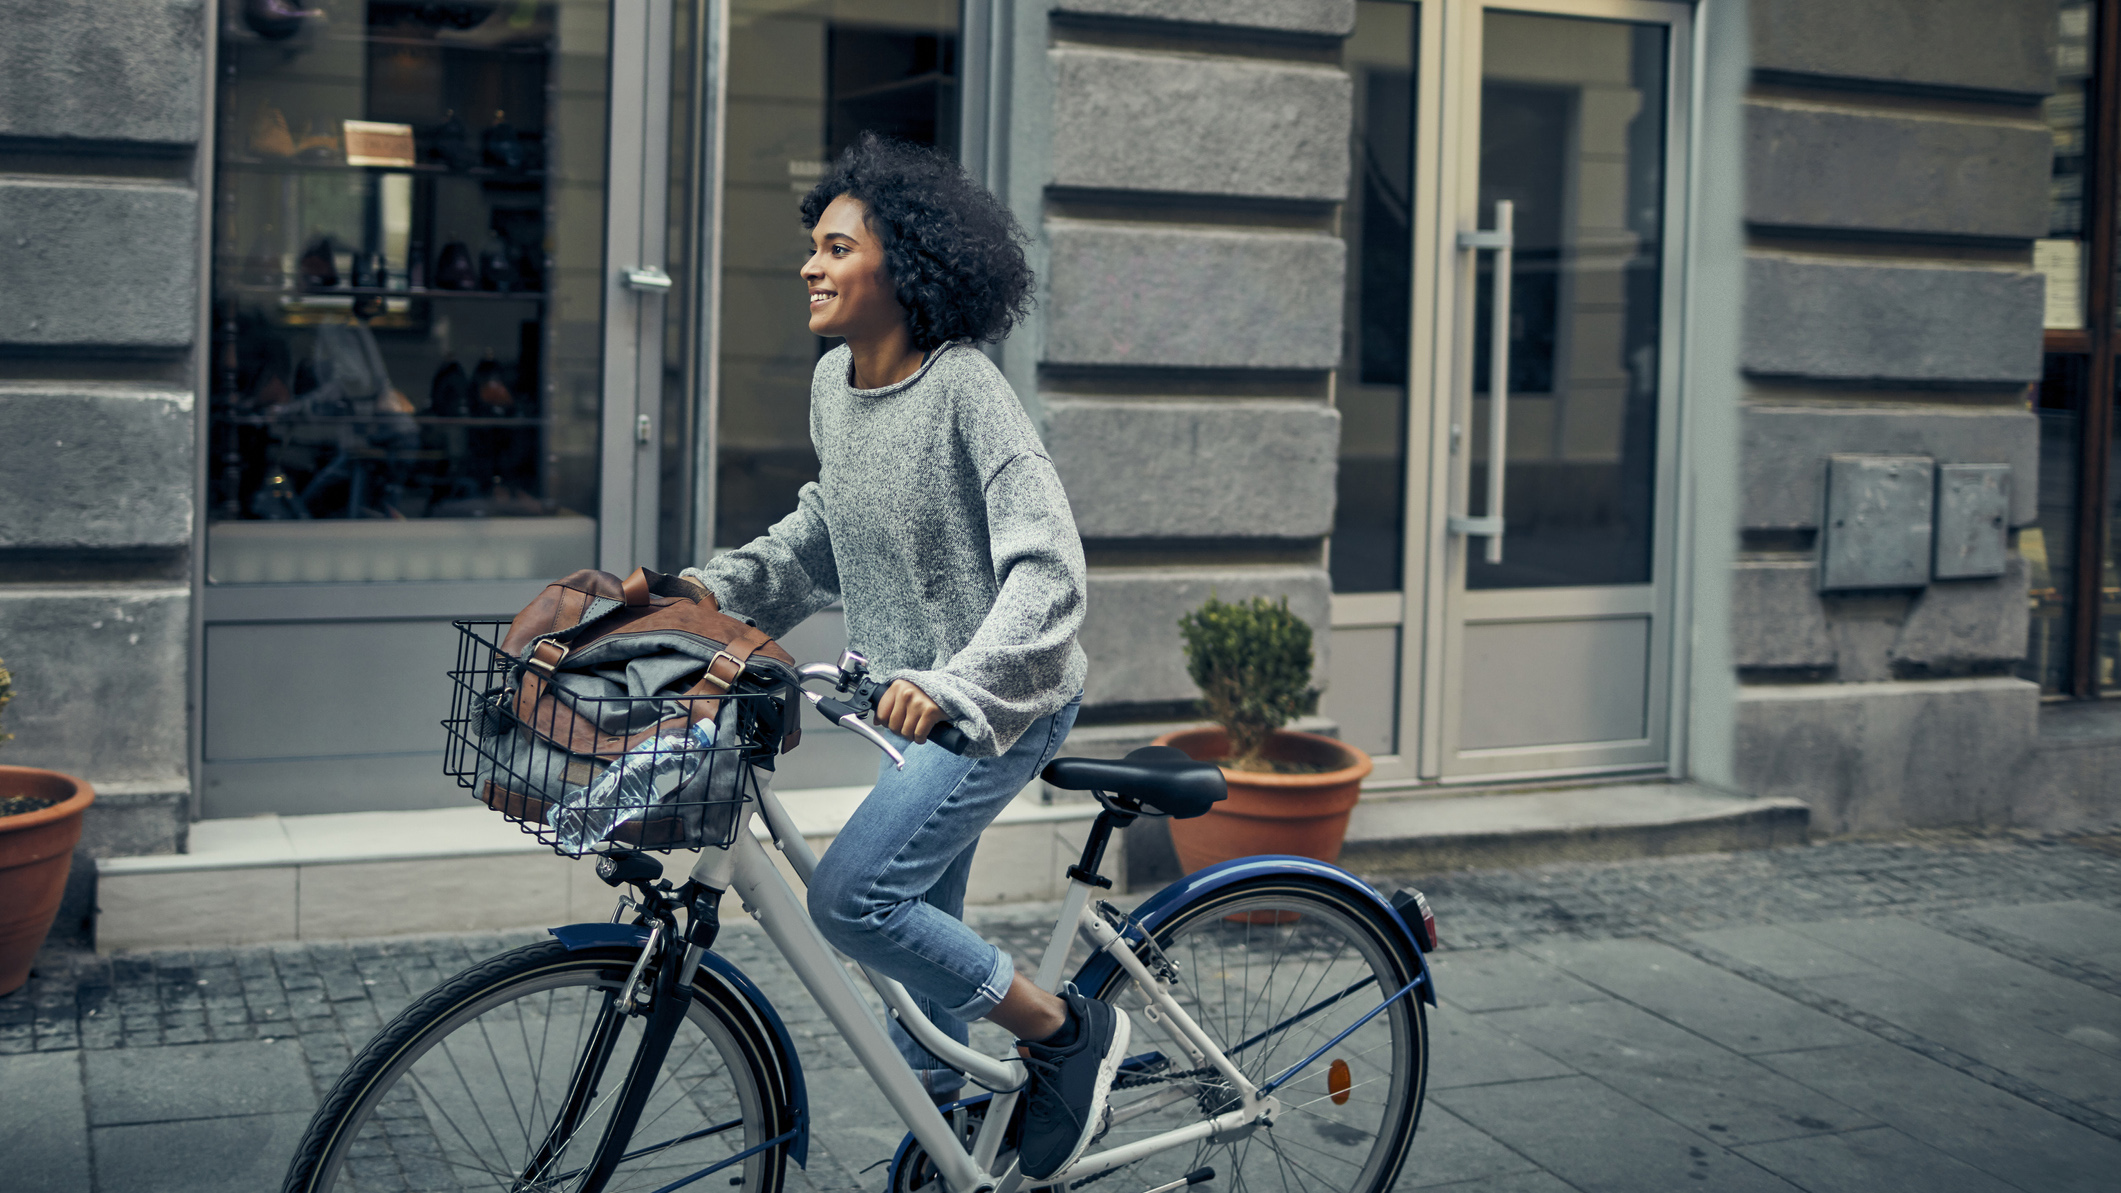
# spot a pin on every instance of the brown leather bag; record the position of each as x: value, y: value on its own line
x: 606, y: 664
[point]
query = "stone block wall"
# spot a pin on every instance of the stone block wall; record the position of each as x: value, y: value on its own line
x: 101, y: 118
x: 1193, y: 159
x: 1897, y: 166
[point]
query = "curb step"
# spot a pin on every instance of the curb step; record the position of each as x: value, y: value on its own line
x: 1421, y: 833
x: 365, y: 874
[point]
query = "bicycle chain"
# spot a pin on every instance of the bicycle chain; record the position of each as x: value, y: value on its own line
x: 1147, y: 1079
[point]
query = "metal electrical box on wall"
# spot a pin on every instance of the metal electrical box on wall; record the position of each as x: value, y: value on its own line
x: 1875, y: 531
x: 1973, y: 520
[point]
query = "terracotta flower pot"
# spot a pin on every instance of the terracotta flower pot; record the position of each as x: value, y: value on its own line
x: 1306, y: 815
x: 36, y: 851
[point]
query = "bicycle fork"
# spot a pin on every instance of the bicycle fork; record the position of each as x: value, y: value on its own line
x: 662, y: 1028
x: 673, y: 979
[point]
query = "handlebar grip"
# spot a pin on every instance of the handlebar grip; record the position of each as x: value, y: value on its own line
x: 950, y: 737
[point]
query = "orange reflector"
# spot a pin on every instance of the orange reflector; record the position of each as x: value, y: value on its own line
x: 1339, y: 1081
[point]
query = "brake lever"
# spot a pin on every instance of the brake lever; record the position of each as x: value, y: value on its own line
x: 851, y: 719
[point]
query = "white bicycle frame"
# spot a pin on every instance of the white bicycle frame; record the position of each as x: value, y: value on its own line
x: 746, y: 868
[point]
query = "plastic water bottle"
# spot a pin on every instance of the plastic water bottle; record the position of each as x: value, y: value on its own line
x: 627, y: 788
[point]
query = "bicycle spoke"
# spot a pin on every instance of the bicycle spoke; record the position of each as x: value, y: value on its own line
x: 447, y: 1117
x: 507, y: 1086
x: 449, y: 1055
x: 1273, y: 978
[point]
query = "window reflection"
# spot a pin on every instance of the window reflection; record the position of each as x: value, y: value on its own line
x: 805, y: 79
x: 2049, y: 545
x: 1576, y: 141
x: 1369, y: 519
x: 408, y: 250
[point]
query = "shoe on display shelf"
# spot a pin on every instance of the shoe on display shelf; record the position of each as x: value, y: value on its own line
x: 278, y: 20
x: 516, y: 23
x: 454, y: 269
x: 268, y: 133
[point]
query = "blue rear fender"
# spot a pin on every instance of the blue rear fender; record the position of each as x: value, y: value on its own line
x: 577, y: 937
x: 1169, y: 901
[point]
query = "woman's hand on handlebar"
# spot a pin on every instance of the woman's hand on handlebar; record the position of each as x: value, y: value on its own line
x: 907, y: 711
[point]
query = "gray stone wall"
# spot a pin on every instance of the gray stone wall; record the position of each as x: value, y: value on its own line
x: 1896, y: 176
x: 1190, y: 165
x: 101, y: 115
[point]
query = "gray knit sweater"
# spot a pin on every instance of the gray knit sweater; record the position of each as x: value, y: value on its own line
x: 938, y: 520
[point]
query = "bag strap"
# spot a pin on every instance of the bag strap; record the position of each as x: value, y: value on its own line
x: 747, y: 639
x: 638, y: 592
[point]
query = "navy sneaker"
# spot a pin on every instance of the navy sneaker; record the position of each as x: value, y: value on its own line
x: 1065, y: 1101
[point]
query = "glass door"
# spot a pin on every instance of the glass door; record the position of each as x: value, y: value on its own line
x: 442, y: 280
x: 806, y: 79
x: 1557, y: 275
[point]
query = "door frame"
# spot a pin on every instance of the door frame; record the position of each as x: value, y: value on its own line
x: 636, y: 235
x: 1447, y: 140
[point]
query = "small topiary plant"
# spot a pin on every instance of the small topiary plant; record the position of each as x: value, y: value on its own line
x: 12, y: 805
x: 1252, y: 661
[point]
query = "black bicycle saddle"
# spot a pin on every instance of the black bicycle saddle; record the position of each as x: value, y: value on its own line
x: 1159, y: 776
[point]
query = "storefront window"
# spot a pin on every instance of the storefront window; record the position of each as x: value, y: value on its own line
x: 2075, y: 625
x: 1369, y: 512
x: 2049, y: 546
x: 806, y: 78
x: 408, y: 291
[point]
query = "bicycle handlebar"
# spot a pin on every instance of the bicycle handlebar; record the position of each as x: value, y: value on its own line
x: 946, y: 735
x: 859, y: 694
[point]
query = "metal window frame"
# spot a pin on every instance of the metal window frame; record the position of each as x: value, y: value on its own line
x: 636, y: 224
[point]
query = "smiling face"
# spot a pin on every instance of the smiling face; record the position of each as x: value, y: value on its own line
x: 851, y: 293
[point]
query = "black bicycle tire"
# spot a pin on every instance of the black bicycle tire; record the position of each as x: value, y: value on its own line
x: 1361, y: 910
x: 412, y: 1024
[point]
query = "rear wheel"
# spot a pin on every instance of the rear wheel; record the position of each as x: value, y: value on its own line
x: 1272, y: 968
x: 504, y: 1078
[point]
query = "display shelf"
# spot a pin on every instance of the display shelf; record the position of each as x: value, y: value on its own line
x: 348, y: 550
x: 288, y: 165
x: 385, y: 292
x: 237, y: 36
x: 425, y: 420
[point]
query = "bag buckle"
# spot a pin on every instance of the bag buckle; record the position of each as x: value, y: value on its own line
x: 718, y: 681
x: 540, y: 661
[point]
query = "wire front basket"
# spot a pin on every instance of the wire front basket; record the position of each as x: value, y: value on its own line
x: 588, y: 762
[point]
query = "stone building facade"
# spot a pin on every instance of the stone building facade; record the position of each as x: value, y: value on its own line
x: 1761, y: 246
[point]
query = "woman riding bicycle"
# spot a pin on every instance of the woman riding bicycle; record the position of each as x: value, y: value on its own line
x: 939, y: 523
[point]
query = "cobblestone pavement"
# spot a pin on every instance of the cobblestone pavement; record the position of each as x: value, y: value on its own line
x: 1936, y: 1012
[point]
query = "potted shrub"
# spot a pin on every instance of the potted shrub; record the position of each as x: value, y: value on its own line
x: 40, y: 823
x: 1290, y: 792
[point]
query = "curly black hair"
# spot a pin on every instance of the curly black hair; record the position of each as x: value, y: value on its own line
x: 955, y: 254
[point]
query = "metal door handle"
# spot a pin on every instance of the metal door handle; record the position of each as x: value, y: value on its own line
x: 646, y: 278
x: 1501, y: 240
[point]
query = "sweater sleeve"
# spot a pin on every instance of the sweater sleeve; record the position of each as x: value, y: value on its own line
x: 781, y: 577
x: 1014, y: 670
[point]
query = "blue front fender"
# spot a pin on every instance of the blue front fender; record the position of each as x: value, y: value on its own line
x: 1167, y: 902
x: 593, y: 936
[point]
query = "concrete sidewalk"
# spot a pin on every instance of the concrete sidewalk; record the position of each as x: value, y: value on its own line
x: 1939, y: 1013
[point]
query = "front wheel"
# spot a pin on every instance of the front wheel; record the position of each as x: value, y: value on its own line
x: 1272, y: 968
x: 504, y: 1078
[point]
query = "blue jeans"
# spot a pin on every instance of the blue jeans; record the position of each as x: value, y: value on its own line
x: 890, y: 890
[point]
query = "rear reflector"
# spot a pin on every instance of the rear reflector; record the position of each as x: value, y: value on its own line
x: 1413, y: 907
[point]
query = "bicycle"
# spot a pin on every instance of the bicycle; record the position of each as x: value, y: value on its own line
x: 1284, y: 999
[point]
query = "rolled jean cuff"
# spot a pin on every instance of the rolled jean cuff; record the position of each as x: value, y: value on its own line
x: 990, y: 992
